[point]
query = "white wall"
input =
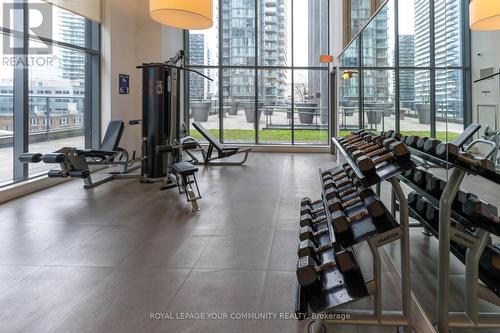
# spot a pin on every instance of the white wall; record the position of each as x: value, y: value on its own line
x: 485, y: 54
x: 129, y: 38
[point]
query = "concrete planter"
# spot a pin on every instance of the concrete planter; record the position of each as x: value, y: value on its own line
x: 306, y: 112
x: 249, y: 108
x: 374, y: 117
x: 232, y: 108
x: 424, y: 113
x: 200, y: 111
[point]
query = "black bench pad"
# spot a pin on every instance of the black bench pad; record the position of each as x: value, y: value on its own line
x: 185, y: 168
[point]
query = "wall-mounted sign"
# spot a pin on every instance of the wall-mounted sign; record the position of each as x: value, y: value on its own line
x: 124, y: 84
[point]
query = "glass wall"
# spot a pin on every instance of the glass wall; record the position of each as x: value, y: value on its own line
x: 45, y: 100
x: 274, y: 89
x: 395, y: 76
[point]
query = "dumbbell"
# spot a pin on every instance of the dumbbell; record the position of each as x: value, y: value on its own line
x: 430, y: 146
x: 409, y: 174
x: 421, y: 177
x: 309, y: 273
x: 373, y: 209
x: 412, y: 141
x: 308, y: 249
x: 353, y: 134
x: 352, y: 138
x: 435, y: 187
x: 421, y: 143
x: 337, y: 177
x: 398, y: 153
x: 309, y: 210
x: 328, y: 173
x: 332, y: 193
x: 397, y: 136
x: 359, y: 138
x: 452, y: 151
x: 382, y: 148
x: 307, y: 202
x: 432, y: 215
x: 329, y: 184
x: 422, y: 206
x: 460, y: 199
x: 308, y: 233
x: 413, y: 198
x: 337, y: 204
x: 388, y: 134
x: 480, y: 211
x: 374, y: 144
x: 307, y: 220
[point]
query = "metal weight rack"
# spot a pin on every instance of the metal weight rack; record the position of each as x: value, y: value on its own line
x: 337, y: 290
x: 475, y: 244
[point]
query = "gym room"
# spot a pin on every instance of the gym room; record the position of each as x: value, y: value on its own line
x: 268, y: 166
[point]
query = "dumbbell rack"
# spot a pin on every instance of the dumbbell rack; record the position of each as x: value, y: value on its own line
x: 475, y: 246
x: 337, y: 292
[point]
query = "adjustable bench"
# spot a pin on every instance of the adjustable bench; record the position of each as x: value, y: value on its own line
x: 223, y: 151
x: 75, y: 162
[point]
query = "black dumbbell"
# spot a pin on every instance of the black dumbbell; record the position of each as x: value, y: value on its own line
x: 435, y: 187
x: 430, y: 146
x: 409, y: 174
x: 421, y: 177
x: 388, y: 134
x: 365, y: 139
x: 338, y: 204
x: 329, y: 184
x: 460, y: 199
x: 398, y: 153
x: 452, y: 151
x: 308, y: 272
x: 412, y: 141
x: 374, y: 209
x: 421, y: 143
x: 308, y: 249
x: 332, y: 193
x: 413, y: 198
x: 422, y: 206
x: 480, y: 211
x: 432, y: 215
x: 54, y: 158
x: 397, y: 136
x: 352, y: 138
x: 307, y: 202
x: 58, y: 174
x: 309, y: 233
x: 383, y: 148
x: 307, y: 220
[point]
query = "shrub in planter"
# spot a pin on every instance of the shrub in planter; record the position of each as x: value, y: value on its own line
x: 374, y: 116
x: 232, y: 108
x: 249, y: 108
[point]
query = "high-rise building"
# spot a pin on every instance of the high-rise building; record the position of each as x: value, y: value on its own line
x: 72, y: 31
x: 407, y: 77
x: 197, y: 56
x: 447, y: 52
x: 238, y: 49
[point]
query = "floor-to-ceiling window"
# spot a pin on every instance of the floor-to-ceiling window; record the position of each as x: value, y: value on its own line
x: 268, y: 86
x: 406, y: 70
x: 48, y: 84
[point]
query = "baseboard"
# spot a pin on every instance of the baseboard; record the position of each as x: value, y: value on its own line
x: 21, y: 189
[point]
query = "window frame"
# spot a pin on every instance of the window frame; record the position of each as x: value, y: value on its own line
x: 21, y: 91
x: 257, y: 67
x: 464, y: 68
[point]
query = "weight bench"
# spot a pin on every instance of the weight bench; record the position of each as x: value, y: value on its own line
x: 185, y: 174
x: 75, y: 162
x: 223, y: 151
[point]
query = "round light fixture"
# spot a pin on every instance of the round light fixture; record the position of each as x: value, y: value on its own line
x: 182, y: 14
x: 484, y: 15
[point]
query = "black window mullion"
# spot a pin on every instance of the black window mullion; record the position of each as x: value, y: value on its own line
x: 20, y: 88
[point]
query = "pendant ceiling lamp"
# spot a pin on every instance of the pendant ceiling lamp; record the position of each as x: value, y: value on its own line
x: 484, y: 15
x: 182, y: 14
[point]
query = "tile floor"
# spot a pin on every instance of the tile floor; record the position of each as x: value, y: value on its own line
x: 102, y: 260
